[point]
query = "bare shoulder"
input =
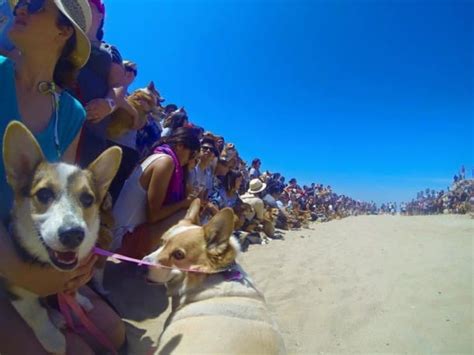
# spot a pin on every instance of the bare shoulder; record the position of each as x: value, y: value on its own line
x: 162, y: 163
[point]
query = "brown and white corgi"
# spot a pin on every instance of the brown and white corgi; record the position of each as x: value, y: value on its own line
x: 55, y: 218
x: 145, y: 101
x: 218, y: 310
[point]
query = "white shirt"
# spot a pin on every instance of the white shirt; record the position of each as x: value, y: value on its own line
x: 256, y: 203
x: 130, y: 209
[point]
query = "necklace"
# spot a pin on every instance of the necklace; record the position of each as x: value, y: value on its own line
x: 49, y: 88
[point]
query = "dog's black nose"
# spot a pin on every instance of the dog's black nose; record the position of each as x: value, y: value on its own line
x: 71, y: 238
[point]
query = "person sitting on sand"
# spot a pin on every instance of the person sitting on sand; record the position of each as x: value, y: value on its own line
x: 252, y: 197
x: 154, y: 196
x: 227, y: 195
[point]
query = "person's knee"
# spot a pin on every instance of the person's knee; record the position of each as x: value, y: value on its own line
x: 16, y: 337
x: 106, y: 319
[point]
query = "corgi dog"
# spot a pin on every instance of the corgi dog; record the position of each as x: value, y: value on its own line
x: 242, y: 211
x: 216, y: 310
x: 145, y: 101
x: 55, y: 219
x: 270, y: 217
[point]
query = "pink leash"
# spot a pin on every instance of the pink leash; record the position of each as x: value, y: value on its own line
x: 106, y: 253
x: 67, y: 304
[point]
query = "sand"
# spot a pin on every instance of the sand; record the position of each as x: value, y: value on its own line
x: 368, y: 284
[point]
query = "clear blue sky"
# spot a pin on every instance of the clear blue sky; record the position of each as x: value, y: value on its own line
x: 375, y: 98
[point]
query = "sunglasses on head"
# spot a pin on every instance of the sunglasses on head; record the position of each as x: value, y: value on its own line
x: 32, y: 6
x: 131, y: 70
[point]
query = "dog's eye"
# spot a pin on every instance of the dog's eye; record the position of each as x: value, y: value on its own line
x: 178, y: 255
x: 86, y: 199
x: 45, y: 196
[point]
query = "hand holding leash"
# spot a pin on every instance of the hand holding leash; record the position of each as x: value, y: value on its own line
x: 81, y: 276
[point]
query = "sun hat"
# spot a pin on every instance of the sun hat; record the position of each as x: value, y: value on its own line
x: 256, y: 186
x: 79, y: 13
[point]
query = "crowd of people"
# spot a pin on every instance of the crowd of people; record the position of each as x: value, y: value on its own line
x: 61, y: 78
x: 457, y: 198
x: 71, y: 89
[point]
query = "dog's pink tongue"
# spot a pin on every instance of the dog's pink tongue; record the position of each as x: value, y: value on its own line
x: 66, y: 257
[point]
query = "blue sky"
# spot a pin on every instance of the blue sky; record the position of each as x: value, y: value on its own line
x: 375, y: 98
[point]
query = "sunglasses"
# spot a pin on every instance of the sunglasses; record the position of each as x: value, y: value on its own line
x: 32, y: 6
x: 206, y: 148
x: 131, y: 70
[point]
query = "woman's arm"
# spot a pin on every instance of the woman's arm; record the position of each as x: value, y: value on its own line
x: 69, y: 155
x: 161, y: 172
x: 100, y: 108
x: 9, y: 261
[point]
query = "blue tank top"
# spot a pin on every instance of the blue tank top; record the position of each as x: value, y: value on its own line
x: 71, y: 117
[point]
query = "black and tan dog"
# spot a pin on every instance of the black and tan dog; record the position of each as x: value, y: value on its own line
x: 55, y: 218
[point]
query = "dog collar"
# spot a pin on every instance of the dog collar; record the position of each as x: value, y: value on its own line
x: 233, y: 273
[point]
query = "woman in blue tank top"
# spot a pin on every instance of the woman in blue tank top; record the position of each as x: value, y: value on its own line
x: 50, y: 34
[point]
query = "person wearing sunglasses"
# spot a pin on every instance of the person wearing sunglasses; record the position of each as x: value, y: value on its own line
x: 157, y: 191
x: 203, y: 173
x: 100, y: 88
x: 51, y: 36
x: 127, y: 141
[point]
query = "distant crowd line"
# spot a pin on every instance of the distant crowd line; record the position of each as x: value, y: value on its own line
x: 457, y: 198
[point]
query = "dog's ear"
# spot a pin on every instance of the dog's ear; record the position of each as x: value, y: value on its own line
x: 104, y: 169
x: 193, y: 212
x: 218, y: 231
x: 151, y: 86
x: 21, y: 154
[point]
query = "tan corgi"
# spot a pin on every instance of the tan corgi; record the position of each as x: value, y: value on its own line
x: 270, y: 217
x: 145, y: 101
x: 55, y: 218
x: 217, y: 311
x: 241, y: 211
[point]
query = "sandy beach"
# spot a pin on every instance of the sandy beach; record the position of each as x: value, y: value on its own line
x: 368, y: 284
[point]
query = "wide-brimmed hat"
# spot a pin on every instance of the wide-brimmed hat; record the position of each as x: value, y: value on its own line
x: 256, y: 186
x: 79, y: 13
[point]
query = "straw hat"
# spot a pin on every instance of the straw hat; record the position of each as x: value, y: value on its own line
x: 256, y: 186
x: 79, y: 13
